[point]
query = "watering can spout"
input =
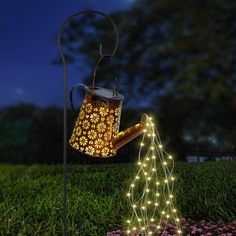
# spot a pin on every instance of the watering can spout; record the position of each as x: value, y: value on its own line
x: 129, y: 134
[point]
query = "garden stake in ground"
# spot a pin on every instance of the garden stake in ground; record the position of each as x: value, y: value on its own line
x: 151, y: 197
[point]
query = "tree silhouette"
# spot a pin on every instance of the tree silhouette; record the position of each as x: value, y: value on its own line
x: 177, y: 58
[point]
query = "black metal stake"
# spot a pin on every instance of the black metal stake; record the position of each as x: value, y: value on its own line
x: 59, y: 41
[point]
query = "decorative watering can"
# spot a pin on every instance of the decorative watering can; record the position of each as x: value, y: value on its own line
x: 96, y: 132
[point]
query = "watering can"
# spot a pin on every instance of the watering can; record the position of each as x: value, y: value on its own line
x: 96, y: 131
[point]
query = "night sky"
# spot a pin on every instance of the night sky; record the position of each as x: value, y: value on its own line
x: 28, y: 44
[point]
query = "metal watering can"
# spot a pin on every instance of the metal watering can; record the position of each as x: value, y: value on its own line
x: 96, y: 131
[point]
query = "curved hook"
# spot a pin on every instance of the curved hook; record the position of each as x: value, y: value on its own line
x: 67, y: 20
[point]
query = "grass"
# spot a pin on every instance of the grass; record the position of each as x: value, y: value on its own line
x: 31, y: 197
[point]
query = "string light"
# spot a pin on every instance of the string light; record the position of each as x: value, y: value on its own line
x: 155, y: 204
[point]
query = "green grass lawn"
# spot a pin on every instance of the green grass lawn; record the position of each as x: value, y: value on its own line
x: 31, y: 197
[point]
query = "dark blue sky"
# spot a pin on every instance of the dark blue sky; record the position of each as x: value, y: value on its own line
x: 28, y: 31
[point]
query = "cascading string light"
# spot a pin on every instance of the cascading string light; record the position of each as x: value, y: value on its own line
x: 153, y: 204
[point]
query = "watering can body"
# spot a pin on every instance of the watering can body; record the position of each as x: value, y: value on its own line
x: 96, y: 131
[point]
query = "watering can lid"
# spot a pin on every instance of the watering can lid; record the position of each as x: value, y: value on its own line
x: 106, y: 93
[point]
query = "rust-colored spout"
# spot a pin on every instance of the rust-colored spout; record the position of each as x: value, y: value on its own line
x: 129, y: 134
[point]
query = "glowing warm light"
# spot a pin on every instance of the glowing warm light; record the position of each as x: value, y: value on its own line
x: 155, y: 204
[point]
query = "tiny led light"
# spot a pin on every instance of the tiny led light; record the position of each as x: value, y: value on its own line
x: 174, y: 210
x: 132, y: 185
x: 151, y: 219
x: 134, y: 206
x: 139, y: 163
x: 143, y: 207
x: 171, y: 196
x: 149, y: 202
x: 170, y: 157
x: 139, y: 219
x: 160, y: 146
x: 143, y: 228
x: 164, y: 163
x: 152, y: 148
x: 128, y: 194
x: 153, y: 157
x: 128, y: 221
x: 141, y: 144
x: 134, y: 228
x: 137, y: 177
x: 156, y: 204
x: 149, y: 178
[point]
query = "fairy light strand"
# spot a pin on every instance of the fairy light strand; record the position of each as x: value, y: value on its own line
x: 153, y: 205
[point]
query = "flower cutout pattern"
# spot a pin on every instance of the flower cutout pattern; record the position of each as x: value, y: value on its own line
x: 92, y: 134
x: 95, y: 126
x: 94, y: 117
x: 83, y: 140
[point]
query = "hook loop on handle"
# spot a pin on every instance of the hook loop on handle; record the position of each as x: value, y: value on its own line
x: 114, y: 63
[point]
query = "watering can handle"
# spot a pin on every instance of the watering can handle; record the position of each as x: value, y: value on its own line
x: 71, y: 96
x: 106, y: 57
